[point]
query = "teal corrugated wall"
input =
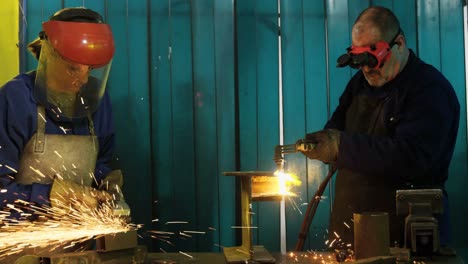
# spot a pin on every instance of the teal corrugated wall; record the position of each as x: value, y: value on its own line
x: 195, y: 88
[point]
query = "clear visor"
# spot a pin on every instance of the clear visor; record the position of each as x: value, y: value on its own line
x: 68, y: 89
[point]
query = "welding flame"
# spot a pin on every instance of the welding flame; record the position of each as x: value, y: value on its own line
x: 286, y: 181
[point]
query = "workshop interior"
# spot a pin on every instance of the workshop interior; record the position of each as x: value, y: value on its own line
x: 209, y: 100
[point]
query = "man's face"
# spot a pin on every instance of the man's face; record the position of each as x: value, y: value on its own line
x: 68, y: 77
x: 365, y: 35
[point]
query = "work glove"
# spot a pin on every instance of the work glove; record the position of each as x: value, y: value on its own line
x: 326, y: 144
x: 112, y: 184
x: 68, y: 194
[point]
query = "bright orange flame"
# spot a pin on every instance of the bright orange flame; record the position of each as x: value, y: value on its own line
x: 286, y: 181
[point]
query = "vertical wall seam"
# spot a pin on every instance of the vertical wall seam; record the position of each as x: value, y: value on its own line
x: 440, y: 36
x: 305, y: 103
x: 257, y: 161
x: 236, y: 120
x: 22, y: 26
x: 328, y: 93
x: 128, y: 53
x: 169, y: 58
x: 106, y: 13
x: 194, y: 115
x: 152, y: 163
x: 213, y: 14
x: 416, y: 18
x: 256, y: 84
x: 42, y: 10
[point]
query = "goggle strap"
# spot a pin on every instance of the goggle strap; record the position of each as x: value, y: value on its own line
x: 392, y: 42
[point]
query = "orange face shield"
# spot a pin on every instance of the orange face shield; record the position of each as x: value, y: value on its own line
x: 89, y: 44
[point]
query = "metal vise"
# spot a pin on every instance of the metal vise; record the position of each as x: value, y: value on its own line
x: 421, y: 227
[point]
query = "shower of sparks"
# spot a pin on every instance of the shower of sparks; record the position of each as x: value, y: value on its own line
x: 316, y: 257
x: 185, y: 254
x: 183, y: 234
x: 10, y: 168
x: 194, y: 232
x: 60, y: 227
x: 286, y: 181
x: 294, y: 205
x: 38, y: 172
x: 63, y: 129
x: 43, y: 118
x: 58, y: 154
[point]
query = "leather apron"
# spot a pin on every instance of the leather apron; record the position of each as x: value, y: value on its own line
x: 72, y: 157
x: 358, y: 192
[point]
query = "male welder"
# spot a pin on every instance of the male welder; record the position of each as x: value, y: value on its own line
x: 395, y: 127
x: 56, y: 132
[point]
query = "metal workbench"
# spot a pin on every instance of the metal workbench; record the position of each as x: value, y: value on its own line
x: 218, y: 258
x: 140, y: 256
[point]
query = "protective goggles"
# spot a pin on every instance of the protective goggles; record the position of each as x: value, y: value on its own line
x: 89, y: 44
x: 373, y: 56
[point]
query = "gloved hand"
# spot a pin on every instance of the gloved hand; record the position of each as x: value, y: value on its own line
x: 65, y: 194
x: 113, y: 184
x: 326, y: 142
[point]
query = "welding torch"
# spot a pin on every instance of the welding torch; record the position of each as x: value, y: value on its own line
x: 302, y: 145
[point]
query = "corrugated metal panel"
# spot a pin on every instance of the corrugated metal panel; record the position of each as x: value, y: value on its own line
x: 294, y: 101
x: 206, y: 152
x: 227, y: 140
x: 316, y: 109
x: 184, y: 113
x: 452, y: 66
x: 267, y: 214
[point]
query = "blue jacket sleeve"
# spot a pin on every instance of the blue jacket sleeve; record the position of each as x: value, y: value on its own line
x: 15, y: 131
x: 104, y: 125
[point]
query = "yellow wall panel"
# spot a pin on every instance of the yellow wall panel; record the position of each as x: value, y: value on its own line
x: 9, y: 54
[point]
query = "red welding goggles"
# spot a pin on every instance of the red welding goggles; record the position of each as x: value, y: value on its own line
x: 373, y: 56
x: 89, y: 44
